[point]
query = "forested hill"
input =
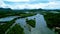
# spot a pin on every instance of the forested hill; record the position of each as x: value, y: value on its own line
x: 8, y: 9
x: 5, y: 9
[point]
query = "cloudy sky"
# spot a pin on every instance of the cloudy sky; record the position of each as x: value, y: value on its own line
x: 30, y: 4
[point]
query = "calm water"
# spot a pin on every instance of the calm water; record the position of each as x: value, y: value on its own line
x: 8, y: 18
x: 41, y: 27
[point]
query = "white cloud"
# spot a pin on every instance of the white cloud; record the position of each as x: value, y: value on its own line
x: 28, y: 6
x: 17, y: 0
x: 2, y: 4
x: 53, y: 5
x: 50, y: 5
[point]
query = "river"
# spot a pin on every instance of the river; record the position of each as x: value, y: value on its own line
x: 40, y: 28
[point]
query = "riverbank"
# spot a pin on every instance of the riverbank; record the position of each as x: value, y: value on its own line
x: 53, y: 21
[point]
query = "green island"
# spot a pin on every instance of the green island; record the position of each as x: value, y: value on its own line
x: 31, y: 22
x: 17, y: 29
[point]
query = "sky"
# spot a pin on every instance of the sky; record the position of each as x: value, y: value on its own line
x: 30, y: 4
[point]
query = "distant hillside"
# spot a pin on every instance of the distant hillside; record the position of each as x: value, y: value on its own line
x: 24, y: 10
x: 5, y: 9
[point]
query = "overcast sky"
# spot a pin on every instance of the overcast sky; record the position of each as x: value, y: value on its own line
x: 30, y: 4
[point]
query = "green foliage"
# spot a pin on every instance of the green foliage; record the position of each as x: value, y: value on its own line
x: 5, y: 26
x: 17, y: 29
x: 52, y: 19
x: 31, y: 22
x: 22, y: 14
x: 26, y: 15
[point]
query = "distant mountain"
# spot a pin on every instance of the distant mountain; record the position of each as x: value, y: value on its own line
x: 5, y: 9
x: 24, y: 10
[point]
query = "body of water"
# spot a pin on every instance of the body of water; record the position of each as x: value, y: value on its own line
x: 40, y: 27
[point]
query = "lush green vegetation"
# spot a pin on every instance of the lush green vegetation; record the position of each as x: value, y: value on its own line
x: 52, y: 19
x: 10, y: 12
x: 31, y: 22
x: 21, y: 14
x: 26, y: 15
x: 17, y: 29
x: 5, y: 26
